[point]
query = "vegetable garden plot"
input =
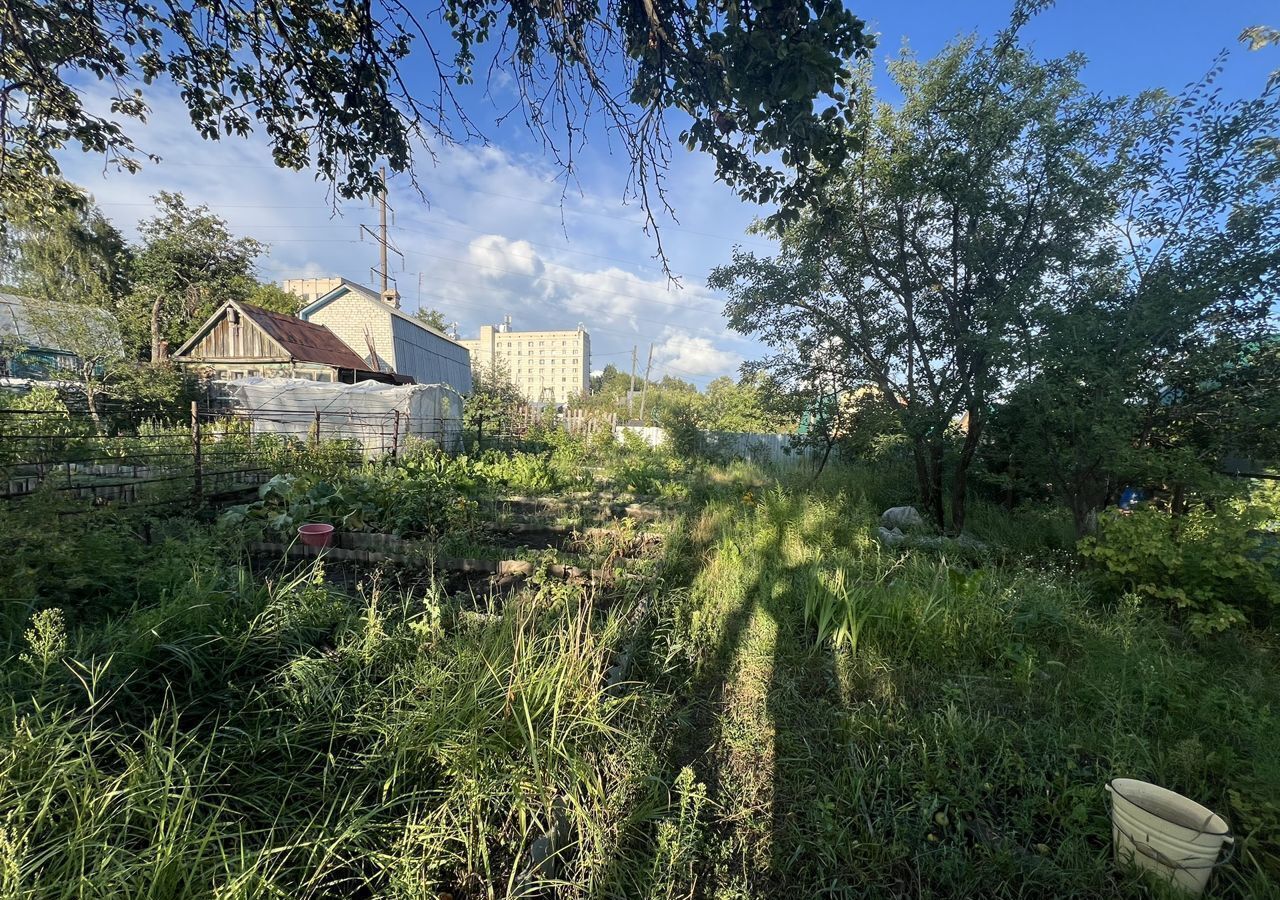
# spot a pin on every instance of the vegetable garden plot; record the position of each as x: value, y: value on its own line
x: 592, y: 556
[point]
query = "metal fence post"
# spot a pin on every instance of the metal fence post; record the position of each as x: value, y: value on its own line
x: 479, y: 433
x: 197, y: 471
x: 395, y: 434
x: 317, y: 428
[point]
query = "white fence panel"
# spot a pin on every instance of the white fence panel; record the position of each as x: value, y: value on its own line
x: 768, y: 449
x: 771, y: 449
x: 650, y: 434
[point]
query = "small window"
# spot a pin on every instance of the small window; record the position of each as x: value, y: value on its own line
x: 323, y: 376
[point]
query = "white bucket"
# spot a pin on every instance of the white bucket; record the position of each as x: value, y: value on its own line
x: 1163, y: 832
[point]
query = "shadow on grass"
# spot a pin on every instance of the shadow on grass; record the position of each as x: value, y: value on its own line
x: 751, y: 725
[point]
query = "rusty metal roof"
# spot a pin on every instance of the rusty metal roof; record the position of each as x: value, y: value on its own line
x: 304, y: 341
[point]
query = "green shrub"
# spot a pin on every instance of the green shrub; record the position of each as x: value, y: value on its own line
x: 409, y: 499
x: 530, y: 473
x: 1218, y: 568
x: 681, y: 422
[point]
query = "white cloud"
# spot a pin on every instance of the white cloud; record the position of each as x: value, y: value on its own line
x: 684, y: 355
x: 497, y: 256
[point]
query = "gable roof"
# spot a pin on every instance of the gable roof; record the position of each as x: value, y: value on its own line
x: 17, y: 322
x: 350, y: 287
x: 300, y: 341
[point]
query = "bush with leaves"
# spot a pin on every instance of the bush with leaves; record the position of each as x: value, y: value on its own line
x: 1218, y: 569
x: 681, y: 420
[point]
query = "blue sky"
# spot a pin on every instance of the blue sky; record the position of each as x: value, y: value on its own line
x: 502, y: 233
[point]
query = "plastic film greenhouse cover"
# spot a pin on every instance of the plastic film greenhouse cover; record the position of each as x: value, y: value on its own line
x: 377, y: 416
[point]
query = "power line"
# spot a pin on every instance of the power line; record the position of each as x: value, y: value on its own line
x: 565, y: 284
x: 152, y: 204
x: 563, y: 302
x: 453, y: 224
x: 440, y: 237
x: 503, y: 269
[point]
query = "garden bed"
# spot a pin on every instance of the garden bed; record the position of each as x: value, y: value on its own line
x: 406, y: 552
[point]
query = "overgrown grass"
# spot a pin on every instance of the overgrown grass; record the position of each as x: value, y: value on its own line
x: 875, y: 723
x: 770, y: 704
x: 182, y: 725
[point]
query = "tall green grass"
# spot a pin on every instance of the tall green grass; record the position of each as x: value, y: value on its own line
x: 775, y: 704
x: 254, y: 734
x: 916, y: 723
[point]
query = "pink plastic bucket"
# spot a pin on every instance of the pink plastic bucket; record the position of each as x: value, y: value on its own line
x: 315, y: 534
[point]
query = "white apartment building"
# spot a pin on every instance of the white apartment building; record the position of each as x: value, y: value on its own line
x: 311, y: 289
x: 547, y: 366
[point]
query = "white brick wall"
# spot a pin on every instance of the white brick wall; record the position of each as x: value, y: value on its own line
x: 348, y: 317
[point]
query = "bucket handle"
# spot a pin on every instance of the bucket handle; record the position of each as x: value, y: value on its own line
x: 1147, y: 850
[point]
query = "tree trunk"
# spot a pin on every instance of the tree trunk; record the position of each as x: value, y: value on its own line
x: 155, y: 329
x: 1082, y: 518
x: 91, y: 397
x: 825, y: 454
x: 959, y: 496
x: 1009, y: 490
x: 924, y: 482
x: 960, y: 484
x: 1085, y: 498
x: 928, y: 458
x: 935, y: 487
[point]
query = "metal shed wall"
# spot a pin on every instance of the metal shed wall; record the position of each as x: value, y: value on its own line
x: 430, y: 359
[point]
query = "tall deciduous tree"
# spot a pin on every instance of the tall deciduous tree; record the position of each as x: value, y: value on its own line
x: 925, y: 253
x: 326, y: 81
x: 742, y: 406
x: 269, y: 295
x: 1155, y: 357
x: 66, y: 252
x: 188, y: 263
x: 1258, y: 37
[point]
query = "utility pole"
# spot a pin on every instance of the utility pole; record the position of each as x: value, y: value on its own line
x: 631, y: 394
x: 644, y: 392
x: 382, y: 227
x: 383, y: 240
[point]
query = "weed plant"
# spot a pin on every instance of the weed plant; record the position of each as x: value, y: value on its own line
x: 775, y: 704
x: 874, y: 722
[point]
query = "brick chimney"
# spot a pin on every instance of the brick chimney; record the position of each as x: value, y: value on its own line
x: 391, y: 297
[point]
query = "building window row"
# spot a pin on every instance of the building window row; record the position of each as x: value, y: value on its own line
x: 535, y: 343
